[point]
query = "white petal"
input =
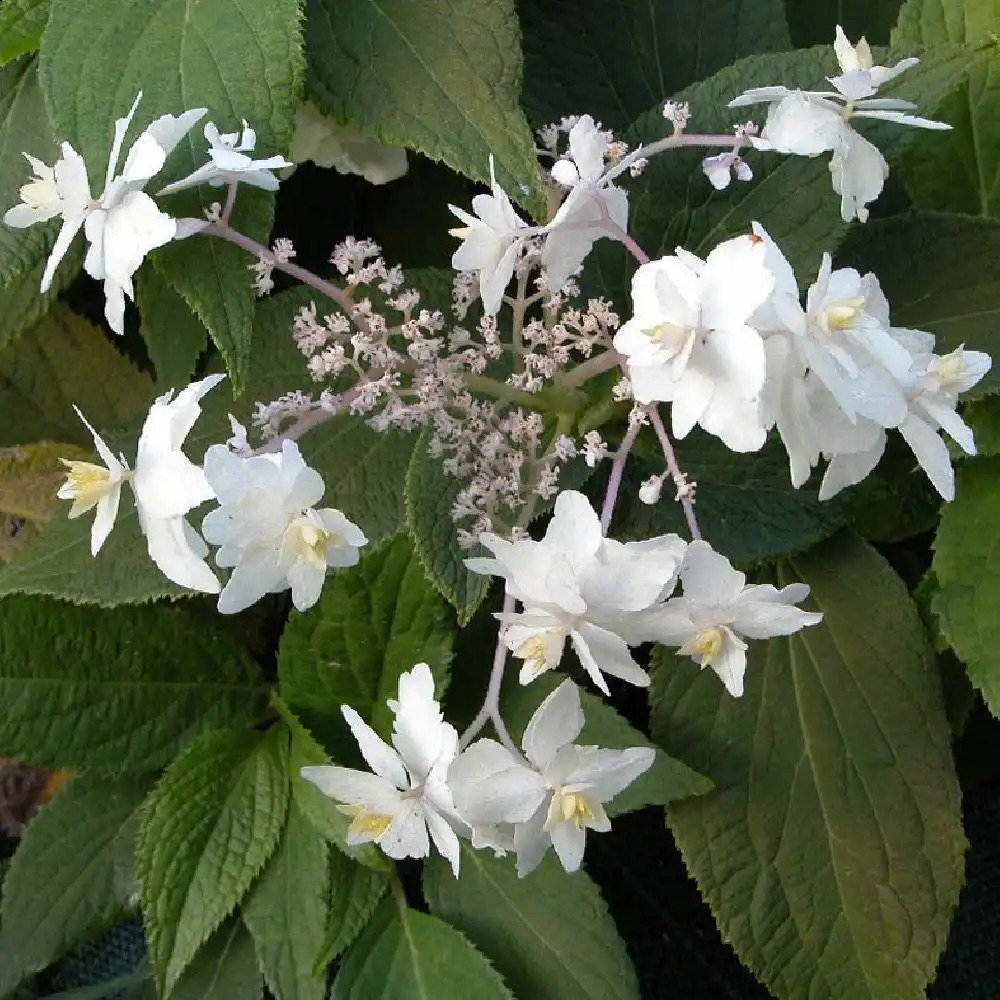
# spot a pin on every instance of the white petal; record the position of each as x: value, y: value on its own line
x: 600, y: 650
x: 444, y: 837
x: 491, y: 785
x: 569, y: 841
x: 171, y: 547
x: 932, y: 454
x: 608, y: 772
x: 735, y: 282
x: 708, y: 577
x: 104, y: 518
x: 556, y: 722
x: 531, y: 842
x: 379, y: 756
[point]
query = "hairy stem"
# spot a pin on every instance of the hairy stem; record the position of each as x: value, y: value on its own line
x: 617, y: 468
x: 684, y: 490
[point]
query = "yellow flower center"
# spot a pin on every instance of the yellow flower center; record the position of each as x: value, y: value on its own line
x: 951, y: 369
x: 365, y: 824
x: 87, y: 484
x: 707, y: 644
x: 309, y: 539
x: 842, y: 315
x: 668, y: 335
x: 574, y: 808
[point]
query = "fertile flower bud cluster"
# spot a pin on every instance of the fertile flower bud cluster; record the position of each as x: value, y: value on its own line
x: 423, y: 791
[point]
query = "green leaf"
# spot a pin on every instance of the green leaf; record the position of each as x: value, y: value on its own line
x: 208, y: 829
x: 439, y: 77
x: 118, y: 690
x: 372, y: 623
x: 831, y: 848
x: 21, y: 25
x: 223, y: 969
x: 238, y: 58
x: 549, y: 934
x: 967, y: 568
x: 287, y: 911
x: 983, y: 416
x: 614, y: 61
x: 24, y: 127
x: 666, y: 781
x: 355, y: 891
x: 71, y: 874
x: 175, y: 337
x: 430, y: 495
x: 406, y: 955
x: 814, y: 23
x: 959, y: 170
x: 66, y: 361
x: 941, y: 273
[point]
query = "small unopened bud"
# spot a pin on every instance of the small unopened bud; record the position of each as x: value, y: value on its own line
x: 649, y: 491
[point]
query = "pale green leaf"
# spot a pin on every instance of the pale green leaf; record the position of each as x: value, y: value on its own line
x: 830, y: 851
x: 666, y: 781
x: 406, y: 955
x: 175, y: 337
x: 439, y: 77
x: 615, y: 61
x: 372, y: 623
x: 967, y: 569
x: 24, y: 128
x: 430, y: 495
x: 549, y: 934
x: 71, y: 874
x: 21, y: 25
x: 941, y: 273
x: 208, y: 829
x: 117, y: 690
x: 288, y: 909
x: 223, y: 969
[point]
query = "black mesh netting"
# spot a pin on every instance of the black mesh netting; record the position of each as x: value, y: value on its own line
x: 670, y: 934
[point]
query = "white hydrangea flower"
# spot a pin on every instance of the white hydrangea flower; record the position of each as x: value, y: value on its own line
x: 491, y: 240
x: 123, y: 224
x: 89, y: 486
x: 228, y: 163
x: 719, y: 169
x: 269, y: 530
x: 576, y: 584
x: 407, y: 797
x: 329, y: 144
x: 689, y: 341
x: 165, y: 483
x: 719, y: 611
x: 591, y: 202
x: 554, y: 797
x: 808, y: 123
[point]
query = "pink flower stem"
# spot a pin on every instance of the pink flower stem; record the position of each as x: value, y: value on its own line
x: 490, y: 712
x: 617, y: 468
x: 685, y: 491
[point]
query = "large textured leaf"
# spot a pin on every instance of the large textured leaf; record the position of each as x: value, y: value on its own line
x: 224, y: 968
x: 372, y: 623
x: 115, y: 690
x: 24, y: 127
x: 430, y: 496
x: 21, y: 26
x: 175, y: 337
x: 439, y: 77
x: 66, y: 360
x: 616, y: 60
x: 549, y: 934
x: 957, y: 171
x: 941, y: 273
x: 288, y: 910
x: 238, y: 58
x: 355, y: 891
x: 967, y: 569
x: 666, y: 781
x: 673, y: 204
x: 207, y: 830
x: 71, y: 874
x: 831, y: 848
x: 406, y: 955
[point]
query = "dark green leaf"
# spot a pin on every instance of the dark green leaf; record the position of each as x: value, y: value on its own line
x: 831, y: 848
x: 549, y: 934
x: 815, y: 22
x: 21, y: 25
x: 175, y: 337
x: 223, y: 969
x: 355, y: 891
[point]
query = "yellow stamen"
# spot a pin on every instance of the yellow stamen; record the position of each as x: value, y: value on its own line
x: 668, y: 335
x: 843, y: 314
x: 365, y: 824
x: 86, y: 485
x: 575, y: 808
x: 309, y: 539
x: 707, y: 644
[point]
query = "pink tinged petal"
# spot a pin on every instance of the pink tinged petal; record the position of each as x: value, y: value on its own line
x: 104, y: 518
x: 718, y: 170
x: 708, y: 578
x: 531, y: 842
x: 379, y: 756
x: 605, y: 773
x: 734, y: 283
x: 931, y: 453
x: 569, y: 841
x: 490, y: 785
x: 172, y: 545
x: 556, y: 723
x: 603, y: 651
x: 444, y: 838
x: 70, y: 227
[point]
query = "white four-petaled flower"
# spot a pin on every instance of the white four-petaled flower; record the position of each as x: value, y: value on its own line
x: 577, y: 585
x: 553, y: 797
x: 269, y: 530
x: 407, y: 797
